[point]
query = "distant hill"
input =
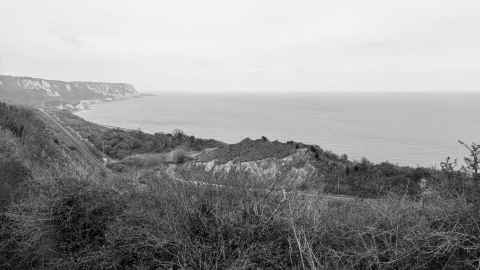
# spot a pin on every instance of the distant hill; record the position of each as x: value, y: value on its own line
x: 35, y: 91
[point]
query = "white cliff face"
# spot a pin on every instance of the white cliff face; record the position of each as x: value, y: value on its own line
x: 108, y: 89
x: 292, y: 170
x: 38, y: 85
x: 39, y: 90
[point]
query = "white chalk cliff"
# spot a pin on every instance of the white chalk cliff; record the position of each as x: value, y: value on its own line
x: 36, y: 91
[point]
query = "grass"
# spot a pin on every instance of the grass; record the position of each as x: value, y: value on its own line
x: 72, y: 224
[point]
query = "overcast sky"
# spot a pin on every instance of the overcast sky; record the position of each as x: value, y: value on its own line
x: 249, y: 45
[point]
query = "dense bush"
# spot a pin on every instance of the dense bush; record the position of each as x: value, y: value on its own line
x: 365, y: 179
x: 248, y: 149
x: 174, y: 226
x: 12, y: 173
x: 15, y: 119
x: 119, y: 143
x: 13, y: 170
x: 31, y: 134
x: 178, y: 156
x: 56, y: 225
x: 80, y: 216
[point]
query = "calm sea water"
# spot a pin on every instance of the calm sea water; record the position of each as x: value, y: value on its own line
x: 407, y: 129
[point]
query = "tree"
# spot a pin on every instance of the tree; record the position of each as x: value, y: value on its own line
x: 473, y: 161
x: 178, y: 133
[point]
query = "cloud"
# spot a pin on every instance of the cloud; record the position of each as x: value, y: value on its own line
x: 215, y: 44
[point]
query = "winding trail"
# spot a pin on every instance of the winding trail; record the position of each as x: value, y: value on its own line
x: 170, y: 171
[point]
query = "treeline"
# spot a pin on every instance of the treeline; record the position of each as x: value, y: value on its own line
x: 119, y: 143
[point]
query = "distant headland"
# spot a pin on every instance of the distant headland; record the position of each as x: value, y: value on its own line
x: 75, y: 95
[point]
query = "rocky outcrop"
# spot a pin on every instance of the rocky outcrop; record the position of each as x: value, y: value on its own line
x: 35, y: 91
x: 293, y: 171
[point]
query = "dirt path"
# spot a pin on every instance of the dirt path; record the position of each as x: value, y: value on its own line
x: 71, y: 139
x: 170, y: 171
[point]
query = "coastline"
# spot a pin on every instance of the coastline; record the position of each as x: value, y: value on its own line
x: 85, y: 105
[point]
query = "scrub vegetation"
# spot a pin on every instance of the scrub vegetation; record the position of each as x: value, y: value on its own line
x: 393, y: 217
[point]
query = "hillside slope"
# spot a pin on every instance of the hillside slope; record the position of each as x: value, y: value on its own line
x: 46, y: 147
x: 35, y: 91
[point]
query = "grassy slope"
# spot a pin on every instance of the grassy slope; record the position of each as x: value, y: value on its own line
x: 47, y: 149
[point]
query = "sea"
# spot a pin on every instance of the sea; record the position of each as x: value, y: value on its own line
x: 414, y: 129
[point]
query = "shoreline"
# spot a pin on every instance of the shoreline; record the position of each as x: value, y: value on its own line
x: 91, y: 102
x: 85, y: 105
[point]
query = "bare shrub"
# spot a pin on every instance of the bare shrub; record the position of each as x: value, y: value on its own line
x: 178, y: 156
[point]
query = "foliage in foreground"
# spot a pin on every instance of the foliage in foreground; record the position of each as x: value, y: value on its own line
x: 72, y: 224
